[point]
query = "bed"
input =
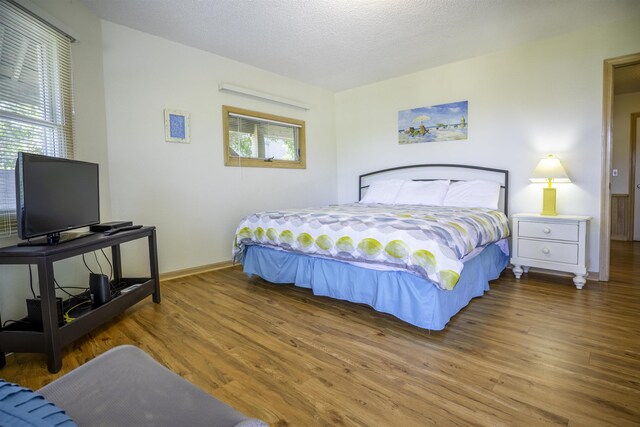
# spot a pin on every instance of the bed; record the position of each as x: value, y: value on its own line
x: 420, y: 244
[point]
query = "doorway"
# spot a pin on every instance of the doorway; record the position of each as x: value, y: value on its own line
x: 634, y: 178
x: 610, y: 67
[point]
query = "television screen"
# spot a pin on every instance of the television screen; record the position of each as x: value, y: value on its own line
x: 54, y: 195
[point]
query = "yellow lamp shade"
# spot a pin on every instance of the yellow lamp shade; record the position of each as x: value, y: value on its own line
x: 549, y: 168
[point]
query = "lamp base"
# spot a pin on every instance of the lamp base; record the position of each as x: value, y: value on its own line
x: 549, y: 202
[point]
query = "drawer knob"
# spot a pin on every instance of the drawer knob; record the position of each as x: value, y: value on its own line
x: 546, y: 230
x: 546, y: 251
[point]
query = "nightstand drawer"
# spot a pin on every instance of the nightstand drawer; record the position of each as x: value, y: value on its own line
x: 566, y: 253
x: 548, y: 230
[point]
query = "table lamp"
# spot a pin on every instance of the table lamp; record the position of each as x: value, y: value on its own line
x: 549, y: 170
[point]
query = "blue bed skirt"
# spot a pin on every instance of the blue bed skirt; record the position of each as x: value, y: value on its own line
x: 406, y: 296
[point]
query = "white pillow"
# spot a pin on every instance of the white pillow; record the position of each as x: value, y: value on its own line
x: 384, y: 191
x: 429, y: 193
x: 473, y: 194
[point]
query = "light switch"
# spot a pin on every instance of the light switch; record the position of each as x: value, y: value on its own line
x: 614, y: 172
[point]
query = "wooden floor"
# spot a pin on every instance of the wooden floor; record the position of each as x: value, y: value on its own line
x: 530, y: 352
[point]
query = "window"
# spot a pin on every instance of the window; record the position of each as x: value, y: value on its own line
x: 35, y: 98
x: 262, y: 140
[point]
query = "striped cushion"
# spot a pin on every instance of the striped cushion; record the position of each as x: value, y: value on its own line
x: 21, y: 407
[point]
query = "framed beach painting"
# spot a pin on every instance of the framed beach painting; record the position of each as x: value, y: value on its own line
x: 444, y: 122
x: 176, y: 126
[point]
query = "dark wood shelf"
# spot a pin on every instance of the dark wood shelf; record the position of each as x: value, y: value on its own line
x: 49, y: 337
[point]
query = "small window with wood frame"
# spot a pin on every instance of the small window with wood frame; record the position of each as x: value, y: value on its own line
x: 262, y: 140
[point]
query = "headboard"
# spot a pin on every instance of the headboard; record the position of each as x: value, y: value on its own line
x: 430, y: 172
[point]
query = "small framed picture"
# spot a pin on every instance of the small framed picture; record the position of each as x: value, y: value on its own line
x: 176, y: 126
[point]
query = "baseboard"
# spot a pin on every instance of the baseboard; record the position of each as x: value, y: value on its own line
x: 195, y: 270
x: 596, y: 276
x: 593, y: 276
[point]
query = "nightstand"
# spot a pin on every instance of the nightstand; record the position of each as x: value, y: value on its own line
x: 552, y: 242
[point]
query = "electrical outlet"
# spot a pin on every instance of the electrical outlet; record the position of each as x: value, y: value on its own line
x: 614, y: 172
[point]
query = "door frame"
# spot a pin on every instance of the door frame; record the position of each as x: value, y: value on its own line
x: 632, y: 174
x: 607, y: 145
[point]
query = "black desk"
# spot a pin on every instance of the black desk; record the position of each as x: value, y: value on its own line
x: 52, y: 338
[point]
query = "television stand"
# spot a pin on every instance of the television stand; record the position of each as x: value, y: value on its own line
x: 50, y: 338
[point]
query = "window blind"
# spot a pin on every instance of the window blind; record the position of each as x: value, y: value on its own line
x: 269, y: 137
x: 35, y: 97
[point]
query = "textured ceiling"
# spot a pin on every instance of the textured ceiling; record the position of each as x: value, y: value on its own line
x: 340, y: 44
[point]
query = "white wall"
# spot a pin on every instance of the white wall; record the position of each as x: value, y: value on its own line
x: 623, y: 106
x: 524, y: 103
x: 184, y: 189
x: 90, y: 145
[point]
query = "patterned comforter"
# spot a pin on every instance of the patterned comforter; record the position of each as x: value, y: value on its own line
x: 429, y: 241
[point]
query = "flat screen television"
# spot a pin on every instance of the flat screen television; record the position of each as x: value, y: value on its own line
x: 55, y: 195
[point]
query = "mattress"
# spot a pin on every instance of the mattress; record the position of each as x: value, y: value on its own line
x: 431, y: 242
